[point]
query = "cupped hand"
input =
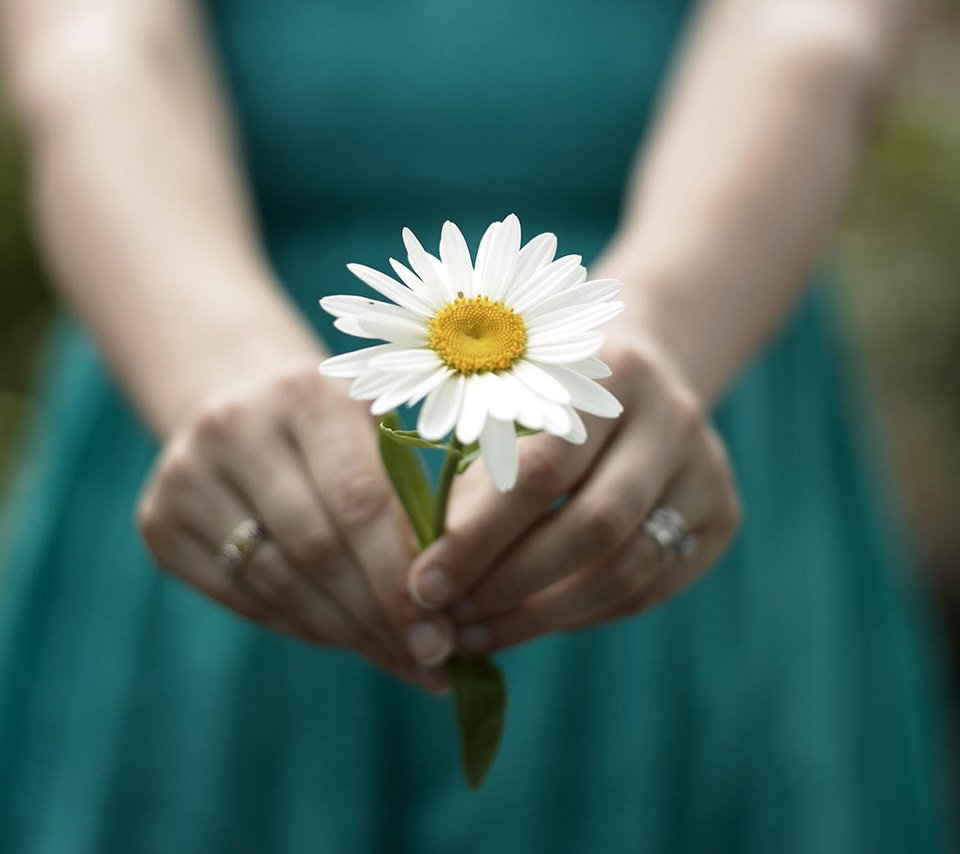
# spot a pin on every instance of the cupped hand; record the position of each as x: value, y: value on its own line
x: 295, y: 453
x: 513, y: 566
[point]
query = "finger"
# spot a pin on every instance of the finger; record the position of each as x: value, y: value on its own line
x: 598, y: 588
x: 702, y: 491
x: 707, y: 492
x: 344, y: 463
x: 268, y: 574
x: 213, y: 508
x: 193, y: 563
x: 288, y: 505
x: 185, y: 515
x: 172, y: 516
x: 483, y: 522
x: 269, y: 478
x: 616, y: 496
x: 189, y: 558
x: 208, y: 505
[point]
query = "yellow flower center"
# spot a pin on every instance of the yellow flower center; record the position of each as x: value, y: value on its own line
x: 474, y: 334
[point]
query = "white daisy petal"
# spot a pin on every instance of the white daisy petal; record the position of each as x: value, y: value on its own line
x: 391, y: 289
x: 565, y: 272
x: 531, y: 412
x: 353, y: 364
x: 351, y: 326
x: 483, y: 253
x: 535, y: 255
x: 434, y: 297
x: 348, y: 305
x: 411, y: 359
x: 578, y: 430
x: 525, y: 407
x: 504, y: 396
x: 501, y: 261
x: 585, y: 394
x: 419, y: 259
x: 396, y: 329
x: 455, y: 255
x: 437, y: 378
x: 597, y: 291
x: 498, y: 445
x: 571, y: 349
x: 577, y: 318
x: 556, y: 418
x: 473, y: 413
x: 409, y: 389
x: 592, y: 367
x: 537, y: 379
x: 371, y: 385
x: 440, y: 410
x: 372, y: 308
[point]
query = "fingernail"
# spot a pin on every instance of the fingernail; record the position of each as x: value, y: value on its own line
x: 432, y: 587
x: 465, y: 611
x: 428, y: 644
x: 473, y: 638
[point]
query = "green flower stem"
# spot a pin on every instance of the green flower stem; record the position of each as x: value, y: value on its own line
x: 447, y: 474
x: 479, y: 691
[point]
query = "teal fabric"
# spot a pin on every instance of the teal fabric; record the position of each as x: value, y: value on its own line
x: 788, y: 702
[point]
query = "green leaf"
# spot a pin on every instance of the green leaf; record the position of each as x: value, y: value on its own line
x: 409, y: 481
x: 407, y: 437
x: 480, y: 701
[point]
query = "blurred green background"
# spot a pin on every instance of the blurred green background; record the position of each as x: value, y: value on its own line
x: 899, y: 249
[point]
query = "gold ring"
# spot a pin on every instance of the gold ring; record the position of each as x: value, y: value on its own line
x: 241, y: 543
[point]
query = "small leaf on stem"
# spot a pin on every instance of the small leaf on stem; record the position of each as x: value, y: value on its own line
x: 480, y: 700
x: 409, y: 481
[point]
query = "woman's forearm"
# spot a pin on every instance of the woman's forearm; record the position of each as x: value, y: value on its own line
x: 740, y: 191
x: 141, y: 210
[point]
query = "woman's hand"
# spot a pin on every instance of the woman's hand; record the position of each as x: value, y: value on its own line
x: 299, y: 456
x: 513, y: 570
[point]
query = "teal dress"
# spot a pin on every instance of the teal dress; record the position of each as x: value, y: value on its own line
x: 786, y: 703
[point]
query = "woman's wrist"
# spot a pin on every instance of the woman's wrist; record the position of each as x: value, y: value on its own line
x: 652, y: 316
x: 254, y: 340
x: 685, y: 306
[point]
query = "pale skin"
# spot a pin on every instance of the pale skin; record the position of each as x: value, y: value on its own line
x: 146, y: 225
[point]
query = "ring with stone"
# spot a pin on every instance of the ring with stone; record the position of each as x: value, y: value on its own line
x: 669, y: 531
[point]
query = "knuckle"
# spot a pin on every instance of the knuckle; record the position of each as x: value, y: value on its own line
x: 502, y: 590
x: 731, y: 516
x: 626, y: 575
x: 151, y: 524
x: 461, y: 544
x: 634, y: 359
x: 541, y: 472
x: 688, y: 411
x: 314, y: 548
x: 177, y: 469
x: 279, y: 586
x: 221, y: 421
x: 361, y: 497
x: 300, y: 387
x: 398, y: 607
x: 717, y: 451
x: 606, y: 524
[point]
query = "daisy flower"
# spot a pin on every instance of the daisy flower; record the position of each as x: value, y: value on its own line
x: 509, y: 340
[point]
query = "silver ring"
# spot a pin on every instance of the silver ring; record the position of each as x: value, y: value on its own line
x: 669, y: 531
x: 240, y: 544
